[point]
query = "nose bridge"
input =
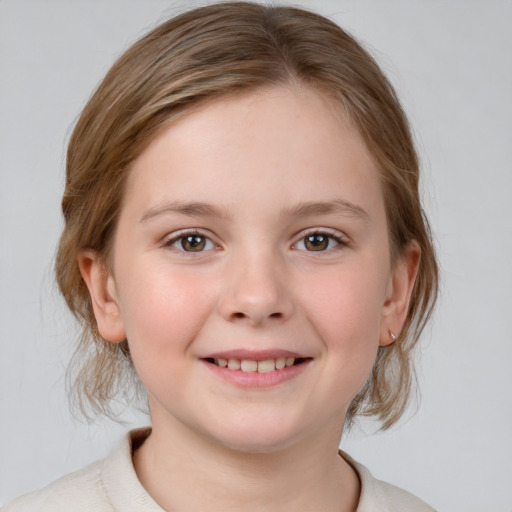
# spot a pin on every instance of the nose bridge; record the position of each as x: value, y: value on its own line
x: 256, y: 288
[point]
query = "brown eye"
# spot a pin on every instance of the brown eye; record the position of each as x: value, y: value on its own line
x: 193, y: 243
x: 319, y: 242
x: 316, y: 242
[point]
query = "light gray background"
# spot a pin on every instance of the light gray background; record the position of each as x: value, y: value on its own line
x: 451, y: 63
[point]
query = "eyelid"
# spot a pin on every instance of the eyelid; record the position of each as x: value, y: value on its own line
x: 171, y: 238
x: 338, y: 236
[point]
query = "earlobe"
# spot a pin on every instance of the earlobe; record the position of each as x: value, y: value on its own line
x: 102, y: 290
x: 399, y: 292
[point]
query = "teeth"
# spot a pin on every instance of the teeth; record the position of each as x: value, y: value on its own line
x: 266, y: 366
x: 280, y: 363
x: 234, y: 364
x: 247, y: 365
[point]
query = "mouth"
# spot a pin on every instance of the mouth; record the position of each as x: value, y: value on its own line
x: 257, y: 365
x: 257, y: 369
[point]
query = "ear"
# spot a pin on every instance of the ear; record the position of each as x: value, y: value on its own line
x: 102, y: 290
x: 398, y: 294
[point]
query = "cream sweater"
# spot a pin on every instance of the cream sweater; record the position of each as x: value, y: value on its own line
x: 111, y: 485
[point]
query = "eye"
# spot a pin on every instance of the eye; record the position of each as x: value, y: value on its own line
x: 319, y: 242
x: 191, y: 242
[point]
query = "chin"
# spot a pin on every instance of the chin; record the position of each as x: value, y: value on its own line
x: 257, y: 437
x: 259, y: 446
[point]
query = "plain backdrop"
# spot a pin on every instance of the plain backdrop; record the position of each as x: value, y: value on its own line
x: 451, y: 62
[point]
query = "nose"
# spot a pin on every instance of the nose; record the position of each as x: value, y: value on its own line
x: 256, y: 291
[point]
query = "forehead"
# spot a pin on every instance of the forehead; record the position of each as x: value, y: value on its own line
x: 282, y: 142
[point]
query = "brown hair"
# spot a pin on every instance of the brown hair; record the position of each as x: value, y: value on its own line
x: 197, y: 57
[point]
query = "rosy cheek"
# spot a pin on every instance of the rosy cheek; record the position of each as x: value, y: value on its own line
x: 347, y: 304
x: 165, y: 308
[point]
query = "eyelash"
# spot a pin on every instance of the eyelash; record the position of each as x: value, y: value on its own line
x: 170, y: 242
x: 340, y: 240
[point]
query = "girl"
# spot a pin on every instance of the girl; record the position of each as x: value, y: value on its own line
x: 243, y: 240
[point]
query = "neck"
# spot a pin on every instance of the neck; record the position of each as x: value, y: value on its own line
x: 184, y: 471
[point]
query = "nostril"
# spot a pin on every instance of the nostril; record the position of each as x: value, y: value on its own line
x: 239, y: 315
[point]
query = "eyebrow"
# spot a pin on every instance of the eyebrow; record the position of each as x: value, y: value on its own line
x: 306, y: 209
x: 193, y: 209
x: 336, y: 206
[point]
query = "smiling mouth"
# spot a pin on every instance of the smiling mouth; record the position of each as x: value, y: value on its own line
x: 252, y: 366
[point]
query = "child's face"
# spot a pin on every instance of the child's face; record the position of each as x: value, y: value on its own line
x: 254, y: 229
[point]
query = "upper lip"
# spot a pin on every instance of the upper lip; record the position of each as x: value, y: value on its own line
x: 254, y: 355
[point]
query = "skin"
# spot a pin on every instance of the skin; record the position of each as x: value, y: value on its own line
x: 256, y: 160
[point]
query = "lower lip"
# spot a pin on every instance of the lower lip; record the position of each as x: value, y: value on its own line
x: 258, y: 380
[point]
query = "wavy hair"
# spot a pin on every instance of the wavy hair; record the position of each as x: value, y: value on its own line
x: 195, y: 58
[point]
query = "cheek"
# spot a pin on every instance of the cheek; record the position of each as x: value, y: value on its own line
x: 162, y: 311
x: 345, y: 308
x: 348, y: 301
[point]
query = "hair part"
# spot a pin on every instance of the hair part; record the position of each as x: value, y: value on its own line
x: 186, y: 62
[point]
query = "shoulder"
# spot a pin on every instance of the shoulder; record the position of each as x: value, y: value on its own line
x: 379, y: 496
x: 81, y: 490
x: 398, y: 500
x: 108, y: 485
